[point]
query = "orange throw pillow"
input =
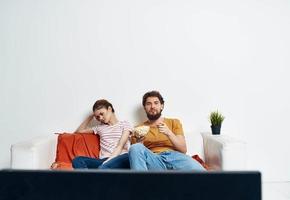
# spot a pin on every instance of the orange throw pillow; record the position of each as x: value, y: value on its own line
x: 71, y: 145
x: 197, y: 158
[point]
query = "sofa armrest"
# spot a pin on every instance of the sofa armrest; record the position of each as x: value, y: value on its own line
x: 223, y: 152
x: 37, y: 153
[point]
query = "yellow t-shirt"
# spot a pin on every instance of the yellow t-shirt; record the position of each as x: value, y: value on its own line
x: 158, y: 142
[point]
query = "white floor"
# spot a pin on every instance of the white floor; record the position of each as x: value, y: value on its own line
x: 276, y: 191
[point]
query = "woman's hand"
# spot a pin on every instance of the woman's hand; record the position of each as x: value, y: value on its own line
x: 83, y: 128
x: 91, y: 116
x: 110, y: 158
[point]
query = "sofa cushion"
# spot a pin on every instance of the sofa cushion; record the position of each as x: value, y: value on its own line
x: 70, y: 145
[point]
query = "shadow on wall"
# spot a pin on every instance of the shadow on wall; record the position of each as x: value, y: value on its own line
x: 139, y: 115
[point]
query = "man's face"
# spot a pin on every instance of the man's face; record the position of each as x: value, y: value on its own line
x: 153, y: 108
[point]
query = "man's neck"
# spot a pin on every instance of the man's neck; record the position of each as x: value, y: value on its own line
x: 155, y: 122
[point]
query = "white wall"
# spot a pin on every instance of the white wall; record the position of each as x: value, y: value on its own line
x: 58, y: 57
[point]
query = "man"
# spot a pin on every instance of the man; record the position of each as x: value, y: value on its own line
x: 163, y: 147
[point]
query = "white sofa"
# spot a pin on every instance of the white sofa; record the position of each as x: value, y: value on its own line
x: 220, y: 152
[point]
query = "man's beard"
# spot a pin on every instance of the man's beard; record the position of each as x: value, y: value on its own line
x: 154, y: 117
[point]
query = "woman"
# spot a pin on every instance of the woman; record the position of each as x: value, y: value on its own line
x: 114, y: 141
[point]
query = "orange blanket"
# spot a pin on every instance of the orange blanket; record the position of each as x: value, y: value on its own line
x: 71, y: 145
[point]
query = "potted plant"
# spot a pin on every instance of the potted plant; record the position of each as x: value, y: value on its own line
x: 216, y: 120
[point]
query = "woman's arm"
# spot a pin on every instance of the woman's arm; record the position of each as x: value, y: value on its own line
x: 83, y: 128
x: 117, y: 151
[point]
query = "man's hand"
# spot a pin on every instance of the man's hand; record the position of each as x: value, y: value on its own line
x: 178, y: 141
x: 136, y: 138
x: 163, y: 128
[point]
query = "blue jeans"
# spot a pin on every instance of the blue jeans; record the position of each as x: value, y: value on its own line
x: 119, y: 162
x: 141, y: 158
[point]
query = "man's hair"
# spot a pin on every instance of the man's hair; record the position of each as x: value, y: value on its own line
x: 102, y: 103
x: 153, y: 93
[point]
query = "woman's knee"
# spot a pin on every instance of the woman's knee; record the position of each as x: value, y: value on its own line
x: 77, y: 162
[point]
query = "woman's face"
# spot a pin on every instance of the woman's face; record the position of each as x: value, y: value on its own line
x: 103, y: 115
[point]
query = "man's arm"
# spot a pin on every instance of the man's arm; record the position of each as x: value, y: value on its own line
x: 83, y: 128
x: 178, y: 141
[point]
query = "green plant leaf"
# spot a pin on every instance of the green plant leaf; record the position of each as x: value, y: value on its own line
x: 216, y: 118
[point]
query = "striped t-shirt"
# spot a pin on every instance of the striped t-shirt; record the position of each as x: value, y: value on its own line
x: 110, y: 136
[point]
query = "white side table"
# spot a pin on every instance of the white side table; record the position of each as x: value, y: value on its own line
x: 223, y: 152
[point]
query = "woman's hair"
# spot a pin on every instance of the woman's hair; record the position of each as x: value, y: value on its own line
x: 153, y: 93
x: 102, y: 103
